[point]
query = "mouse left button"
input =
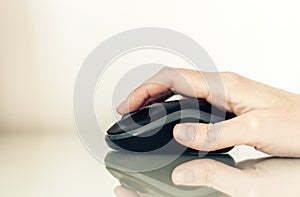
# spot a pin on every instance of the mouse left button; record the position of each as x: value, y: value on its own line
x: 125, y: 124
x: 129, y: 114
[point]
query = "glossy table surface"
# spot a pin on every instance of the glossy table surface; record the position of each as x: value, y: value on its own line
x: 33, y: 164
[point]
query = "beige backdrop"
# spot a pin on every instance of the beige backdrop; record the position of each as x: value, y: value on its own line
x: 43, y: 44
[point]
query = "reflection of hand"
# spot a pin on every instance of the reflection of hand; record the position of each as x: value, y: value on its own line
x: 267, y: 118
x: 121, y: 191
x: 262, y: 177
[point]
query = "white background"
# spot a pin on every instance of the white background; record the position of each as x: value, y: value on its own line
x: 42, y: 46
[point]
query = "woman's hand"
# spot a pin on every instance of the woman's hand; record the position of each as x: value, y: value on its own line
x: 267, y: 118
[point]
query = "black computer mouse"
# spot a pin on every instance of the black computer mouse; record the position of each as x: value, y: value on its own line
x: 150, y: 129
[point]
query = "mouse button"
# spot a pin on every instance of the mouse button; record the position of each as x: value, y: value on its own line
x: 204, y: 106
x: 207, y: 107
x: 129, y: 114
x: 194, y: 104
x: 130, y: 122
x: 124, y: 126
x: 171, y: 106
x: 157, y: 111
x: 140, y: 118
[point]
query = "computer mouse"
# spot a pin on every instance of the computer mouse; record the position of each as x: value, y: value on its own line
x: 150, y: 129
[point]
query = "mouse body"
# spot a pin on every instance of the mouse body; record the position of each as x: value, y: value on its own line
x: 150, y: 129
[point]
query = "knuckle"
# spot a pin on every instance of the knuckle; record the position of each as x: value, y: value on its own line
x: 206, y: 136
x: 210, y: 172
x: 166, y: 70
x: 231, y: 78
x: 201, y: 131
x: 231, y: 75
x: 211, y: 136
x: 231, y: 81
x: 254, y: 123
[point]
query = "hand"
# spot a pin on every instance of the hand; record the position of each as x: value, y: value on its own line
x: 258, y: 177
x: 267, y: 118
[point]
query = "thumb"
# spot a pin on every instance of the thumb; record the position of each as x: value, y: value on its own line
x: 210, y: 137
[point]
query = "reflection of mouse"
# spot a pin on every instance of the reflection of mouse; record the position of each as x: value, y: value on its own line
x: 151, y: 128
x: 158, y: 181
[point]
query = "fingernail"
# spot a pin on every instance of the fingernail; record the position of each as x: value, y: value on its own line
x: 183, y: 176
x: 186, y: 133
x: 120, y: 107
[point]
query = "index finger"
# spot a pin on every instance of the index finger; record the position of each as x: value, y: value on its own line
x: 163, y: 84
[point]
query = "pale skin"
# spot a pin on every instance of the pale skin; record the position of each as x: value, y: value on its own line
x: 268, y: 118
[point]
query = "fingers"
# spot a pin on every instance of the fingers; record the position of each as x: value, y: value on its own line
x: 225, y: 89
x: 209, y: 137
x: 160, y: 98
x: 168, y: 81
x: 210, y: 173
x: 150, y: 89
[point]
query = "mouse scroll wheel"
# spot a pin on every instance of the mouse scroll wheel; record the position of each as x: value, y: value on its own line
x: 129, y: 114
